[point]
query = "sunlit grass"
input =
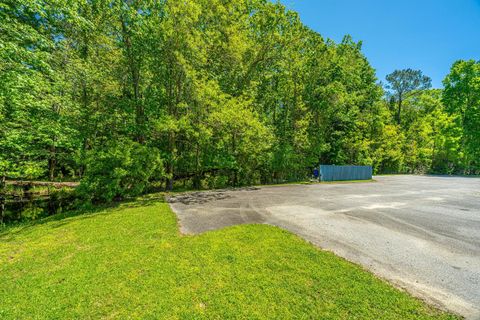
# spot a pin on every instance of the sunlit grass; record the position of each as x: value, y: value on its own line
x: 131, y: 262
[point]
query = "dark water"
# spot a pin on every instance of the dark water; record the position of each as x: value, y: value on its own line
x: 31, y: 206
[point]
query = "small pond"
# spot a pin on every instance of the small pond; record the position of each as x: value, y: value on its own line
x: 22, y: 201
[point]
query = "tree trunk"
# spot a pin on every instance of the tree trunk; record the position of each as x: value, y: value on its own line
x: 3, y: 197
x: 170, y: 165
x: 139, y: 110
x: 135, y: 74
x: 52, y: 163
x: 87, y: 120
x: 234, y: 181
x: 170, y: 180
x: 399, y: 110
x: 196, y: 178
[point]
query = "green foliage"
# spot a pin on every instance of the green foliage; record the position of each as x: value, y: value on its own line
x: 228, y: 92
x: 121, y: 169
x: 429, y: 132
x: 131, y: 262
x: 462, y: 98
x: 402, y: 83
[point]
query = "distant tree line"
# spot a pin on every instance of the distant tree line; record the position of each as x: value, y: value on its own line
x: 125, y: 95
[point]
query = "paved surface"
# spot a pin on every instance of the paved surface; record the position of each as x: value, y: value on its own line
x: 422, y: 233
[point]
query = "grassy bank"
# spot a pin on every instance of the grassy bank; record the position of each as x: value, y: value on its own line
x: 131, y: 262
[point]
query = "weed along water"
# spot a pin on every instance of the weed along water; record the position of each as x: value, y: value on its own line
x: 27, y: 200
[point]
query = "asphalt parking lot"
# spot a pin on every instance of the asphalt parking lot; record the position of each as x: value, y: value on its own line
x: 421, y: 233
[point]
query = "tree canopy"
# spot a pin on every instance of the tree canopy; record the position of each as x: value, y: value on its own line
x: 404, y: 82
x: 211, y: 93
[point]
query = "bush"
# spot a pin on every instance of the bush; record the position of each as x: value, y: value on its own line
x: 120, y: 169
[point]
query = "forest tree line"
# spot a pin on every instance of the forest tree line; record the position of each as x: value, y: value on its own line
x: 123, y: 95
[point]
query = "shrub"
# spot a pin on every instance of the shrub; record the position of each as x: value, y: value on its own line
x: 118, y: 170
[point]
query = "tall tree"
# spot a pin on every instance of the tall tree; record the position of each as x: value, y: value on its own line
x: 404, y: 82
x: 462, y: 99
x: 224, y: 92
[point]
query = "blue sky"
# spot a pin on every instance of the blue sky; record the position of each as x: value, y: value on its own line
x: 424, y: 34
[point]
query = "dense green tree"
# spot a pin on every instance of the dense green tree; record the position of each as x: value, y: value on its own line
x: 25, y: 56
x: 120, y: 169
x: 462, y: 100
x: 222, y: 93
x: 405, y: 82
x: 429, y: 132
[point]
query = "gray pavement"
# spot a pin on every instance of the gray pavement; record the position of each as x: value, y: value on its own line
x: 422, y: 233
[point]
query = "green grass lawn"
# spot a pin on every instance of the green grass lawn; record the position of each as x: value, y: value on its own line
x: 131, y: 262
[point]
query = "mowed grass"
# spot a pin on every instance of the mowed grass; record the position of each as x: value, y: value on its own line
x: 131, y: 262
